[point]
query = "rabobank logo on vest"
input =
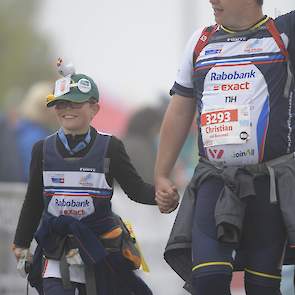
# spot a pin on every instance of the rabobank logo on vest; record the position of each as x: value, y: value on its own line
x: 233, y: 76
x: 77, y: 207
x: 72, y: 203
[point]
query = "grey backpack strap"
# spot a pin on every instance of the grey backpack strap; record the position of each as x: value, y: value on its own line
x: 65, y: 272
x: 106, y: 167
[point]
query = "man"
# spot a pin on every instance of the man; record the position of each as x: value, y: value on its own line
x: 237, y: 76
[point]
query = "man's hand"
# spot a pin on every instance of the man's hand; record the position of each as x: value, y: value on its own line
x: 167, y: 196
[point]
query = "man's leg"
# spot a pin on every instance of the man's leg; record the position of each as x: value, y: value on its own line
x: 264, y: 242
x: 212, y: 261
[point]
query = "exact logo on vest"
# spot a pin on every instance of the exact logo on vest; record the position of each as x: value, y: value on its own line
x: 72, y: 207
x: 233, y: 76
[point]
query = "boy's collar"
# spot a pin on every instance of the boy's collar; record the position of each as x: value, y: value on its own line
x: 81, y: 144
x: 75, y: 137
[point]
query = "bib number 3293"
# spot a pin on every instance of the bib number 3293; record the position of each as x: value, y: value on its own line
x: 225, y: 126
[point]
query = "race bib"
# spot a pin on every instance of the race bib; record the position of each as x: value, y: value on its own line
x: 225, y: 126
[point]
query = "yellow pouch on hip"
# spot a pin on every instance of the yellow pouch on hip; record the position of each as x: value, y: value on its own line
x: 138, y: 258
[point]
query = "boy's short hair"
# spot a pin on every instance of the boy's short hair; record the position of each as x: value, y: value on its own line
x: 81, y: 88
x: 260, y: 2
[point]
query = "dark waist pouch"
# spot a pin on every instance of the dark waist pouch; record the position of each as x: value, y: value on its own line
x: 120, y: 239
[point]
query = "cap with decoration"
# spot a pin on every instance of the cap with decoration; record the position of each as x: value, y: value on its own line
x: 72, y: 87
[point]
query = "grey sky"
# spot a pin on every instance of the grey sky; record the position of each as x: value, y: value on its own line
x: 132, y: 48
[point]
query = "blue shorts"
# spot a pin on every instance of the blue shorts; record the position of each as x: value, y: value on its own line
x: 263, y: 238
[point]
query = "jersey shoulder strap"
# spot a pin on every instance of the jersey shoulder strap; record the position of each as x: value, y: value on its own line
x: 207, y: 33
x: 272, y: 28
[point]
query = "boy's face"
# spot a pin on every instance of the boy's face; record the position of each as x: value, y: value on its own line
x: 75, y: 118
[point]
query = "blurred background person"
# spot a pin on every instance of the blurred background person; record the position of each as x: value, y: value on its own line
x: 141, y: 140
x: 9, y: 157
x: 20, y: 128
x: 35, y: 122
x: 23, y: 123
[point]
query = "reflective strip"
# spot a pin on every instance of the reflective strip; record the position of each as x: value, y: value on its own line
x: 243, y: 61
x: 212, y: 264
x: 100, y: 193
x: 261, y: 274
x: 289, y: 80
x: 272, y: 185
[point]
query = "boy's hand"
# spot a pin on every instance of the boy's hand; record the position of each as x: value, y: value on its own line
x: 19, y: 252
x: 24, y: 259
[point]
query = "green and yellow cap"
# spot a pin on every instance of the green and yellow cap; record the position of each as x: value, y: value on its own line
x: 75, y: 88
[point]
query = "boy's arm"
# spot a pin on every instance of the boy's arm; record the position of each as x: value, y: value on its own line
x: 32, y: 208
x: 126, y: 175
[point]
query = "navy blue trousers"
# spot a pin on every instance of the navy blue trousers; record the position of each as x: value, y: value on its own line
x: 262, y: 244
x: 54, y: 286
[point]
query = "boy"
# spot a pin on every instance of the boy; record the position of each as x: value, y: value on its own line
x: 74, y: 170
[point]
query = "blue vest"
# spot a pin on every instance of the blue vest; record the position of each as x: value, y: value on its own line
x: 77, y: 187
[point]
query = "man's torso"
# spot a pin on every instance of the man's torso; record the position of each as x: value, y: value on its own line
x: 244, y: 94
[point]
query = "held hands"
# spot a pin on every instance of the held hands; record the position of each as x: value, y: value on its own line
x: 167, y: 196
